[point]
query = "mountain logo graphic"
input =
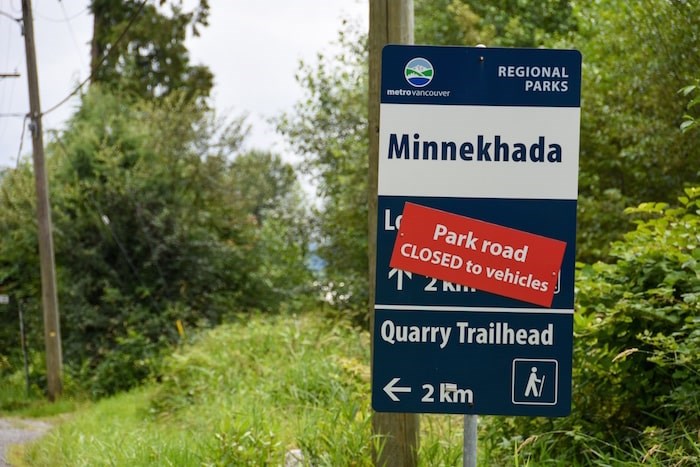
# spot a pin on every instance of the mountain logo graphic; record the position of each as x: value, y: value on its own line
x: 418, y: 72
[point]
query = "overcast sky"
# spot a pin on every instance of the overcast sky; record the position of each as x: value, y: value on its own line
x: 252, y: 47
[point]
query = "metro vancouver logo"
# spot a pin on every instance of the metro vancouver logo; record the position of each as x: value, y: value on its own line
x: 418, y: 72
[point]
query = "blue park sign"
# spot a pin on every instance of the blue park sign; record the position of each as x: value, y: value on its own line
x: 492, y: 134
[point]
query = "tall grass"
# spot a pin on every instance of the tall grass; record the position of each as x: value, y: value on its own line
x: 245, y: 394
x: 17, y: 401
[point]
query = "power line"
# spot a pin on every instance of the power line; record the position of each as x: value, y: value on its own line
x: 72, y: 33
x: 65, y: 17
x: 13, y: 18
x: 8, y: 46
x: 132, y: 20
x: 6, y: 95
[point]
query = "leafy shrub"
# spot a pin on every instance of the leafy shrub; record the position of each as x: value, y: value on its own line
x: 636, y: 350
x: 157, y: 219
x: 130, y: 362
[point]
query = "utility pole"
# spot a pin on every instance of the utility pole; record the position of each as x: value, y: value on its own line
x: 49, y: 296
x: 390, y: 21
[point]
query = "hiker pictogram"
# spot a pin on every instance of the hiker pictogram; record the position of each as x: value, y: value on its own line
x: 534, y: 382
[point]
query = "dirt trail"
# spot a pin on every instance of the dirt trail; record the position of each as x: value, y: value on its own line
x: 18, y: 431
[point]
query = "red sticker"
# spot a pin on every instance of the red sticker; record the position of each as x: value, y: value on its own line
x: 478, y: 254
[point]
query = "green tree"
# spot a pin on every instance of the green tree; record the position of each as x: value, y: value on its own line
x: 505, y: 23
x: 150, y: 60
x: 271, y: 193
x: 153, y: 224
x: 147, y: 229
x: 263, y: 182
x: 525, y: 23
x: 636, y: 56
x: 445, y: 22
x: 329, y: 129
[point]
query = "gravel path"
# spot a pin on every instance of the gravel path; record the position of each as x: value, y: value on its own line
x: 17, y: 431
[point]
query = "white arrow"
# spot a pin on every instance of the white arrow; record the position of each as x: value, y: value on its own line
x: 399, y: 277
x: 390, y: 389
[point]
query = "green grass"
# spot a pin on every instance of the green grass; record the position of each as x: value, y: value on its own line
x: 15, y: 402
x: 112, y: 432
x: 245, y: 394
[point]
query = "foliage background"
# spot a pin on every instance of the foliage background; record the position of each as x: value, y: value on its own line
x: 162, y: 220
